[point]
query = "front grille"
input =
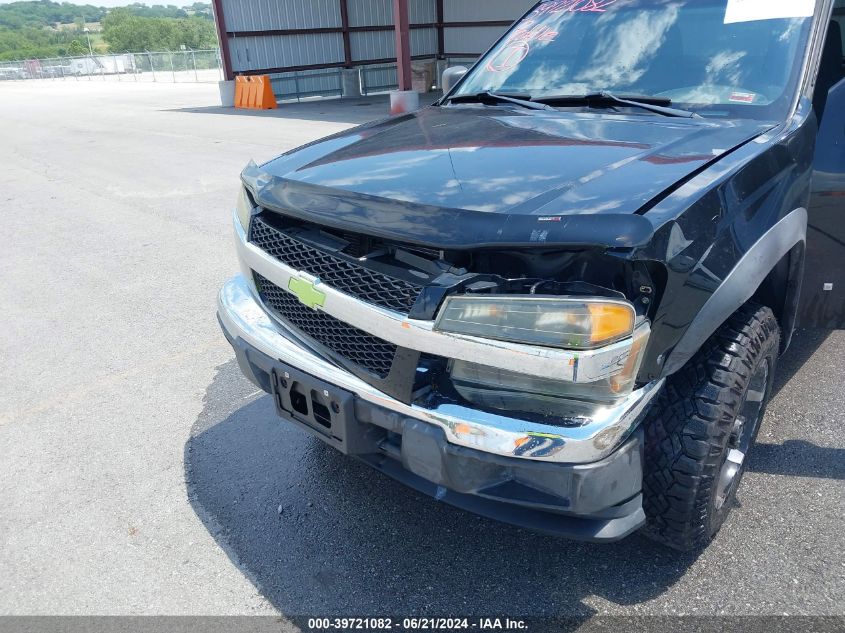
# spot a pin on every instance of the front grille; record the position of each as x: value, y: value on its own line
x: 345, y: 276
x: 365, y: 350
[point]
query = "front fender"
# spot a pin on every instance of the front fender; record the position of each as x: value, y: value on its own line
x: 735, y: 232
x: 740, y: 285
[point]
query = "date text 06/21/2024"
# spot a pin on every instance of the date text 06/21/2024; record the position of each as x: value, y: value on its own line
x: 416, y: 624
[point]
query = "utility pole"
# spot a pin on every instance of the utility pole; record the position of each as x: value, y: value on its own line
x: 87, y: 32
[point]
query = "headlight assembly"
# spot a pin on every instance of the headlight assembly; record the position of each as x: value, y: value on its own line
x: 575, y: 323
x: 245, y: 208
x: 570, y: 323
x: 510, y: 391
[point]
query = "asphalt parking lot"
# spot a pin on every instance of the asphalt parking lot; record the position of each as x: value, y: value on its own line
x: 143, y: 475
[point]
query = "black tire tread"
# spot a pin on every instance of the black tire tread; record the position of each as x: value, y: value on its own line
x: 688, y: 428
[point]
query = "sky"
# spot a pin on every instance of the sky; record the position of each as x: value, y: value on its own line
x: 121, y: 3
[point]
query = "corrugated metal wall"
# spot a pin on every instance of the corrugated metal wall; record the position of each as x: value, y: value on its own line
x: 267, y: 15
x: 256, y: 52
x: 380, y: 12
x: 488, y: 10
x: 262, y: 35
x: 474, y: 40
x: 381, y: 44
x: 273, y: 51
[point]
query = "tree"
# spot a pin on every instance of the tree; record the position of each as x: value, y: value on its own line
x: 196, y: 33
x: 125, y: 31
x: 43, y: 13
x: 76, y: 48
x: 31, y: 29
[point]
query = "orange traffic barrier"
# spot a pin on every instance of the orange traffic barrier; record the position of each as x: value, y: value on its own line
x: 251, y: 93
x: 241, y: 84
x: 266, y: 100
x: 254, y: 93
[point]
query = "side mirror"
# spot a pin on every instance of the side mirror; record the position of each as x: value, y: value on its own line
x: 451, y: 76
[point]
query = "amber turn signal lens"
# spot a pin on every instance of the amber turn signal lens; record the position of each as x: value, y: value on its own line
x: 610, y: 322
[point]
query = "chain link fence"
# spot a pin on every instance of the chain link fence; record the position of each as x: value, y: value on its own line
x: 205, y: 66
x: 373, y: 80
x: 184, y: 66
x: 295, y: 86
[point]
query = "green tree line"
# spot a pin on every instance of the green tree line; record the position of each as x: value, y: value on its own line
x: 42, y: 28
x: 125, y: 31
x: 43, y: 13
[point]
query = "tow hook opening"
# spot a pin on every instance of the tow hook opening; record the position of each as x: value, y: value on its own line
x: 298, y: 399
x: 322, y: 414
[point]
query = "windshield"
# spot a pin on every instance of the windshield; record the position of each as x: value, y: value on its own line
x: 719, y: 58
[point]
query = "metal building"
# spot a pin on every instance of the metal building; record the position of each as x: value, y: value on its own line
x: 306, y: 45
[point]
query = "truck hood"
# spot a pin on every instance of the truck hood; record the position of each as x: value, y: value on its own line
x: 487, y: 175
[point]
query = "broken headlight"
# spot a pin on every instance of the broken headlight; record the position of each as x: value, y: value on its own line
x: 575, y: 323
x: 245, y: 208
x: 569, y: 323
x: 496, y: 388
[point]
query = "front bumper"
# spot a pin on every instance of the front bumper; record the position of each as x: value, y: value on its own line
x: 581, y: 441
x: 582, y: 481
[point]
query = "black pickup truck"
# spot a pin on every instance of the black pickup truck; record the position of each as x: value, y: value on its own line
x: 558, y: 296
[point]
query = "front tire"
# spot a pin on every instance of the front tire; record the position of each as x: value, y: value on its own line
x: 702, y: 427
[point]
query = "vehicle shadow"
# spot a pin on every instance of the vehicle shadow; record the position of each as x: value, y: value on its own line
x: 804, y: 345
x: 320, y: 533
x: 798, y: 458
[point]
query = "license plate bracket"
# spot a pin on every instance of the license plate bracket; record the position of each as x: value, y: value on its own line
x: 325, y: 410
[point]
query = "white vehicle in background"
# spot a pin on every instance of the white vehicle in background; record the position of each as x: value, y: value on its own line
x: 54, y: 72
x: 86, y: 66
x: 13, y: 72
x: 102, y: 65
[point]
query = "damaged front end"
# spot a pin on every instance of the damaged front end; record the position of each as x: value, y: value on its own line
x: 529, y: 350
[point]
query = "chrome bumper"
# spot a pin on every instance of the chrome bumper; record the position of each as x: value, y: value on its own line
x: 596, y: 437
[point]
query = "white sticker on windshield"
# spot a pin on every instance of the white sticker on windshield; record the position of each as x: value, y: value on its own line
x: 753, y: 10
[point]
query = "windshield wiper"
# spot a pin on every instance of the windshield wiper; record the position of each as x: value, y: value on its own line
x: 494, y: 97
x: 652, y: 104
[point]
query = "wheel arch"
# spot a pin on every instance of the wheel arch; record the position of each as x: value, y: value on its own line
x: 781, y: 291
x: 770, y: 271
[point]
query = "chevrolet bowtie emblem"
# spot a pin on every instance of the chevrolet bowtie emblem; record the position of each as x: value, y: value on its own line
x: 307, y: 293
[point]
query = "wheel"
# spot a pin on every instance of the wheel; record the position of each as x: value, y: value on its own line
x: 702, y: 427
